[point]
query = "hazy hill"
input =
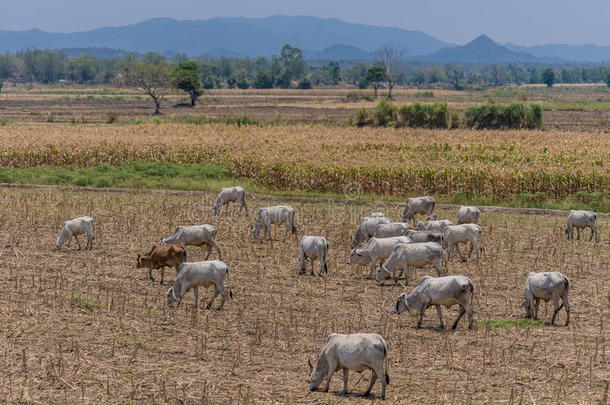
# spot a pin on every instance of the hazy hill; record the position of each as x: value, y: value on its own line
x: 583, y: 53
x: 482, y: 49
x: 239, y: 36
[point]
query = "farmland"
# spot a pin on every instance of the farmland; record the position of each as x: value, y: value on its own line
x: 89, y: 326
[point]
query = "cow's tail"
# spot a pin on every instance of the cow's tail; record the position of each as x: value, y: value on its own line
x: 229, y: 283
x: 387, y: 363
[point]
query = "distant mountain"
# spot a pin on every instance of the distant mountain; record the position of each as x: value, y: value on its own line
x: 101, y: 53
x: 481, y: 50
x: 236, y: 36
x: 581, y: 53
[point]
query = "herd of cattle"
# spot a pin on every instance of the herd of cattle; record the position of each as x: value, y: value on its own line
x: 395, y: 244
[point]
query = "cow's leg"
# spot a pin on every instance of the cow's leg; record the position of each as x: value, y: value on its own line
x: 440, y: 316
x: 217, y: 249
x: 405, y: 271
x: 372, y: 267
x: 449, y: 249
x: 223, y: 295
x: 243, y: 205
x: 536, y: 304
x: 345, y: 372
x: 162, y: 274
x: 592, y: 232
x: 421, y: 314
x: 196, y: 293
x: 332, y: 367
x: 227, y: 208
x: 578, y: 233
x: 209, y: 252
x: 457, y: 247
x: 439, y: 268
x: 216, y: 292
x: 150, y: 274
x: 556, y: 308
x: 566, y: 306
x: 75, y: 237
x: 373, y: 379
x: 460, y: 315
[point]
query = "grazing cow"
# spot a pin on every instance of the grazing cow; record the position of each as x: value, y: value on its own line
x: 425, y: 236
x: 418, y: 205
x: 311, y: 248
x: 375, y: 249
x: 468, y: 215
x: 196, y: 235
x: 545, y: 286
x: 367, y: 228
x: 447, y: 291
x: 413, y: 254
x: 200, y: 274
x: 358, y: 352
x: 464, y: 233
x: 278, y: 214
x: 581, y: 220
x: 438, y: 226
x: 161, y: 256
x: 74, y: 227
x: 391, y: 230
x: 229, y: 195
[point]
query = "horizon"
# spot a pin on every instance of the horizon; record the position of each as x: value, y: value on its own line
x: 545, y: 23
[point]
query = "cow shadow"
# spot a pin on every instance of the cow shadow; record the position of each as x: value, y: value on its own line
x: 356, y: 395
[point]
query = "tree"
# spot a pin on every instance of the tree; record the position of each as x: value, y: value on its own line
x: 152, y: 79
x: 608, y: 77
x: 375, y: 76
x: 334, y: 72
x: 231, y: 81
x: 242, y: 83
x: 293, y: 62
x: 185, y: 77
x: 263, y: 80
x: 548, y: 76
x: 305, y: 84
x: 391, y: 62
x: 82, y: 69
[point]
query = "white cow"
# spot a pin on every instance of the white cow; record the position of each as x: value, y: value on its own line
x: 415, y: 254
x: 229, y: 195
x: 74, y: 227
x: 193, y: 275
x: 464, y: 233
x: 425, y: 236
x: 546, y: 286
x: 375, y: 249
x: 195, y: 235
x: 278, y: 214
x: 581, y: 219
x: 358, y: 352
x: 392, y: 229
x: 312, y: 248
x: 447, y: 291
x: 468, y: 215
x: 438, y: 226
x: 418, y: 205
x: 367, y: 228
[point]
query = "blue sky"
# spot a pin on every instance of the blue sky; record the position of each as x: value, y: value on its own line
x: 524, y: 22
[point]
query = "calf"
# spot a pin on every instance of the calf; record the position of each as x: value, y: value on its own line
x: 311, y: 248
x: 358, y: 352
x: 228, y: 195
x: 447, y: 291
x: 581, y: 220
x: 196, y: 235
x: 375, y: 249
x: 545, y: 286
x: 74, y: 227
x: 416, y: 254
x: 279, y: 214
x: 200, y: 274
x: 161, y: 256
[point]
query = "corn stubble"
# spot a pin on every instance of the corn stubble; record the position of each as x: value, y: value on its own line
x: 90, y: 327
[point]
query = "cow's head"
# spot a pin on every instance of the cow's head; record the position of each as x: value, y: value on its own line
x: 63, y: 237
x: 382, y: 273
x: 432, y: 217
x: 420, y: 226
x: 216, y: 208
x: 171, y: 296
x: 317, y: 373
x: 358, y: 238
x: 401, y: 304
x: 356, y: 258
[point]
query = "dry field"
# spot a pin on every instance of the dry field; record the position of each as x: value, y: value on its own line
x: 89, y: 327
x: 320, y: 158
x: 585, y: 107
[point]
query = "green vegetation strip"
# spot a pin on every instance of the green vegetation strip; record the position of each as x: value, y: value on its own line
x: 211, y: 177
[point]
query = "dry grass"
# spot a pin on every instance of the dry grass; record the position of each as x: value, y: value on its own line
x: 89, y: 327
x: 322, y: 158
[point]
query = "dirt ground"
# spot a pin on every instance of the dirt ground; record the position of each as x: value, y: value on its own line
x: 89, y: 327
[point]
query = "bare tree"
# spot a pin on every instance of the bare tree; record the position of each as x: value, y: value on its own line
x: 151, y: 78
x: 391, y: 59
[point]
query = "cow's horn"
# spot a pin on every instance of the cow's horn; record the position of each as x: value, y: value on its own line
x: 309, y: 363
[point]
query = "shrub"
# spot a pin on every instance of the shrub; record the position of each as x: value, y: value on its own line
x: 384, y: 113
x: 419, y: 115
x: 504, y: 116
x: 305, y: 84
x: 363, y: 118
x: 455, y: 120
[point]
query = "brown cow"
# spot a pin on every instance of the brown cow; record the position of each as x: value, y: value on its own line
x: 161, y: 256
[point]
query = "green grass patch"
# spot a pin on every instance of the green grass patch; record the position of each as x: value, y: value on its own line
x: 510, y: 324
x: 577, y: 106
x: 84, y: 302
